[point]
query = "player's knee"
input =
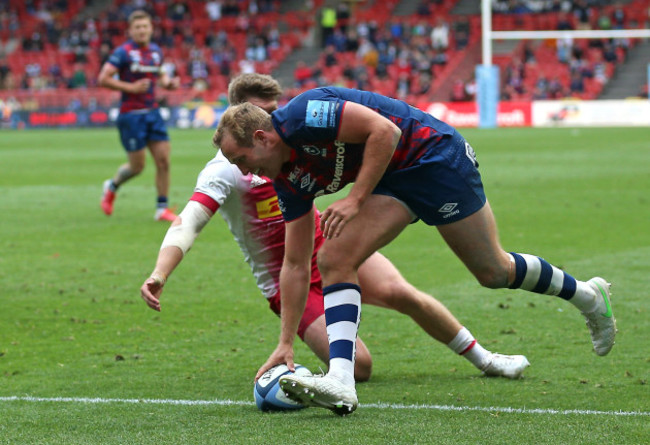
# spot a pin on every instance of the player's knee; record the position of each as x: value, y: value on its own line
x: 162, y: 164
x: 135, y: 168
x: 362, y: 368
x: 331, y: 261
x: 493, y: 278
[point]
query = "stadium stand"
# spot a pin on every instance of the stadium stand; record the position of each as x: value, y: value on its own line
x: 52, y: 50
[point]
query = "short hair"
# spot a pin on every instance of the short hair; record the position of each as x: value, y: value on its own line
x: 138, y: 14
x: 244, y: 86
x: 241, y: 121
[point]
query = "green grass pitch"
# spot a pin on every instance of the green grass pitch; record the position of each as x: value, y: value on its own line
x: 80, y: 353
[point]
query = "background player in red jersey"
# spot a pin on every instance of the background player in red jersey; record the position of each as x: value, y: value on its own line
x: 137, y: 64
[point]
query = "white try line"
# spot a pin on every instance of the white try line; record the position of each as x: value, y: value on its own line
x: 491, y: 409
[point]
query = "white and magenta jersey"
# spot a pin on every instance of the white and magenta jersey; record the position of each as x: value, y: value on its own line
x: 249, y: 205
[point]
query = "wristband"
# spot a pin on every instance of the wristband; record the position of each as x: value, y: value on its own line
x: 159, y: 278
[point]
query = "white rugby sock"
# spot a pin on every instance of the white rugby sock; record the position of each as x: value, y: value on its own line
x: 466, y: 345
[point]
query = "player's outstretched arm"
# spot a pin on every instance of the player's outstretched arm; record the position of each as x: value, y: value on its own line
x: 178, y: 240
x: 295, y: 277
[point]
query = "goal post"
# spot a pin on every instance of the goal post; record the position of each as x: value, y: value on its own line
x: 487, y: 75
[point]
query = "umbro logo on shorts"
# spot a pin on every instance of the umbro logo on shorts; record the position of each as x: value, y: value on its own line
x: 449, y: 209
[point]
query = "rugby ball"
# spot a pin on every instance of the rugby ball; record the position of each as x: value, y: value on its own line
x: 268, y: 394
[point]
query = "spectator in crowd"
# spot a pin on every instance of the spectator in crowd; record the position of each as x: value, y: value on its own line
x: 272, y: 36
x: 555, y: 88
x: 246, y: 66
x: 458, y: 91
x: 256, y: 50
x: 224, y: 55
x: 328, y: 23
x: 461, y: 32
x: 564, y: 48
x: 541, y: 86
x: 424, y: 8
x: 564, y: 22
x: 213, y: 9
x: 609, y: 53
x: 342, y: 16
x: 5, y: 73
x: 528, y: 52
x: 424, y: 84
x: 216, y: 39
x: 440, y: 35
x: 33, y: 43
x: 471, y: 88
x: 56, y: 75
x: 618, y: 17
x: 198, y: 71
x: 367, y: 53
x: 577, y: 84
x: 243, y: 23
x: 582, y: 13
x: 329, y: 56
x: 230, y: 8
x: 178, y: 11
x: 403, y: 86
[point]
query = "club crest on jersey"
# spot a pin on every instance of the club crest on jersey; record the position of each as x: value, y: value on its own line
x: 314, y: 151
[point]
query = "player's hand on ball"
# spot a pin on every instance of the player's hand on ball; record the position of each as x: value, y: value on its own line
x: 283, y: 354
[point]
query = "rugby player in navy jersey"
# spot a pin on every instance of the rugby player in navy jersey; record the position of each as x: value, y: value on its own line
x: 248, y: 203
x: 134, y: 68
x: 404, y: 165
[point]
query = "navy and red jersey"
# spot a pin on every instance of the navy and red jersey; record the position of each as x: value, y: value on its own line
x: 320, y: 164
x: 135, y: 62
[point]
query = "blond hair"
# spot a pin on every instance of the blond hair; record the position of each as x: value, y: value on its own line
x: 138, y: 14
x: 248, y: 85
x: 241, y: 121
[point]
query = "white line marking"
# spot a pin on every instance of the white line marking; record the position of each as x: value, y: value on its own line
x: 501, y: 409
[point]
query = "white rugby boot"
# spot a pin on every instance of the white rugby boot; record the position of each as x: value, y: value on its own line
x: 509, y: 366
x: 601, y: 321
x: 323, y: 391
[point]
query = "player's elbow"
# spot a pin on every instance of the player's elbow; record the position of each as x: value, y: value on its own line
x: 101, y: 81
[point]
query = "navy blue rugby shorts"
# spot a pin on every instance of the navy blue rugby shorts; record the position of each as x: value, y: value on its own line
x: 443, y: 187
x: 139, y: 127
